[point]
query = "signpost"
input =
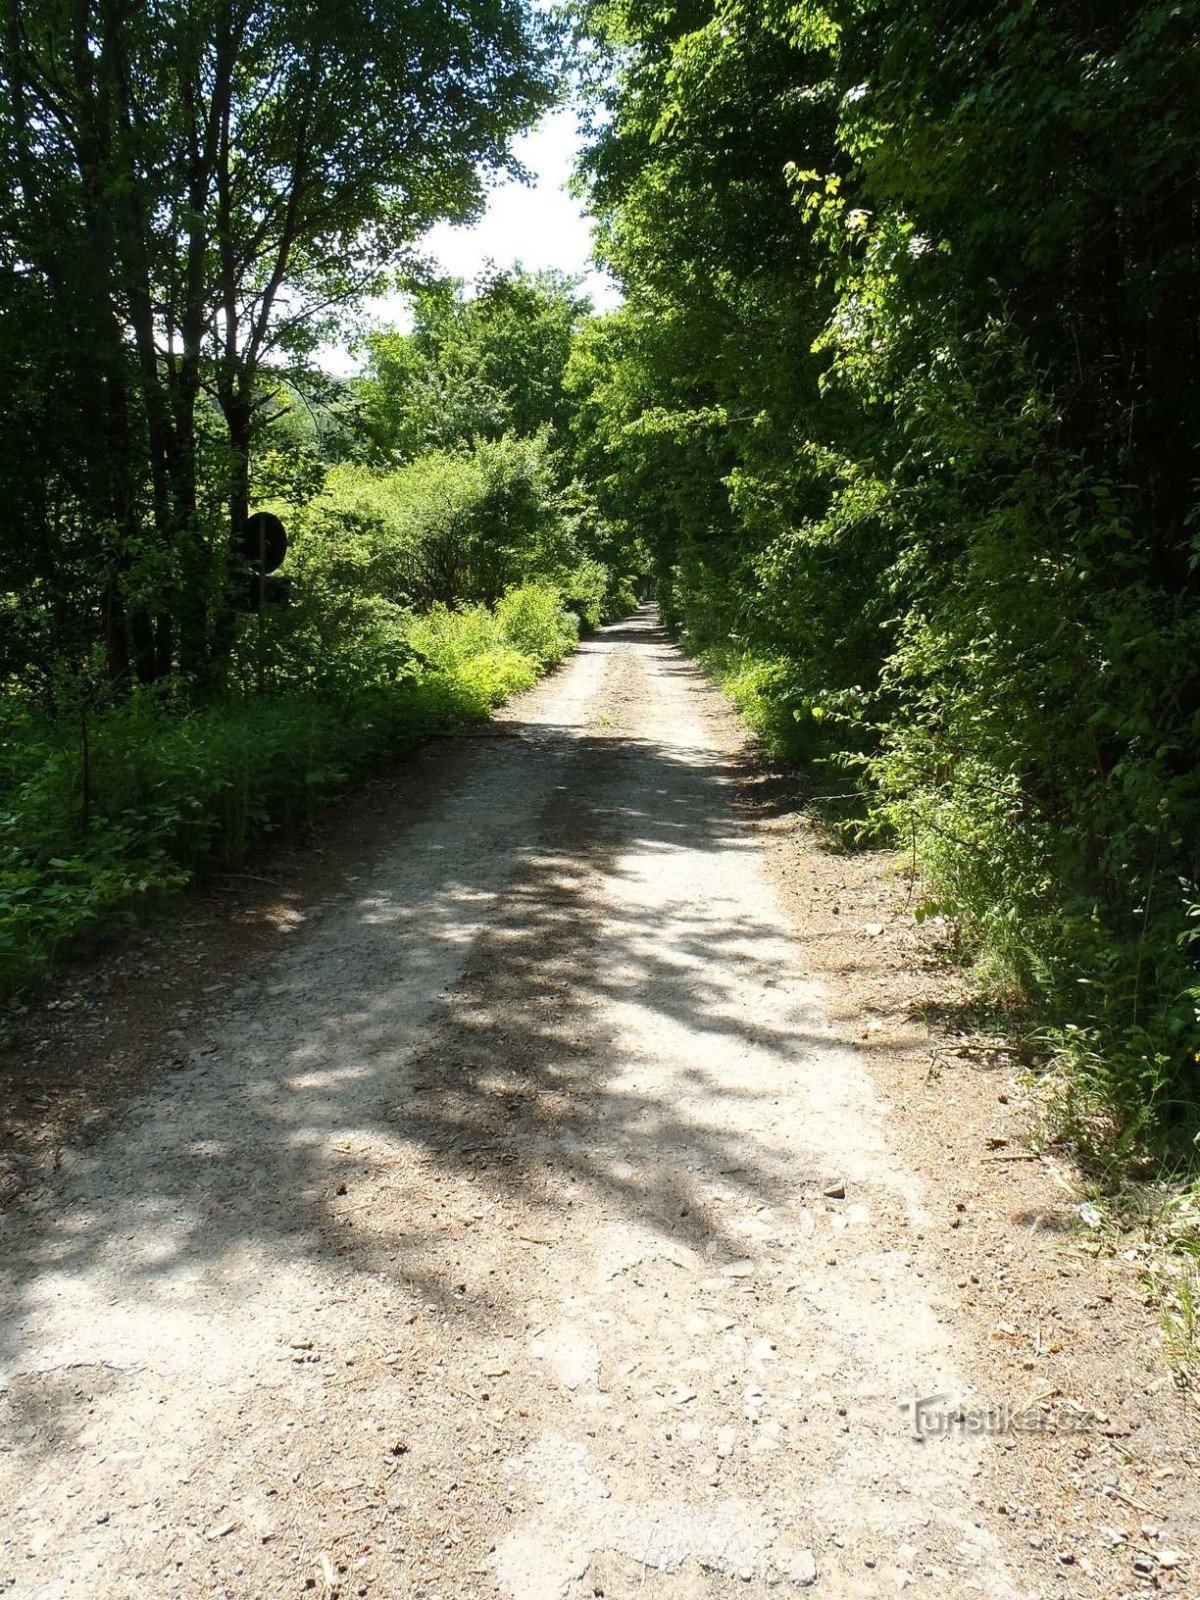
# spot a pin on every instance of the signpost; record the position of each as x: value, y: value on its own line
x: 264, y: 545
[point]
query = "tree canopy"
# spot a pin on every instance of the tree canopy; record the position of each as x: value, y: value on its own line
x: 477, y: 366
x: 905, y: 391
x: 193, y: 192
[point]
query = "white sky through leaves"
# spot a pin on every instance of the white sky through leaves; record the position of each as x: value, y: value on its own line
x: 539, y: 225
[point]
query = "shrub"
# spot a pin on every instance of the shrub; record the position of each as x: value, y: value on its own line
x: 585, y: 590
x: 173, y: 792
x: 452, y: 527
x: 619, y: 600
x: 533, y: 620
x: 446, y: 639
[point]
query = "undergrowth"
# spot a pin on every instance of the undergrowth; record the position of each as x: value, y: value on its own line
x: 92, y: 832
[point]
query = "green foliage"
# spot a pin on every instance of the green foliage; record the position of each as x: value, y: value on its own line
x: 488, y: 378
x: 767, y: 695
x: 171, y: 794
x: 449, y: 526
x: 905, y: 396
x: 534, y: 621
x: 195, y: 196
x: 592, y: 596
x: 473, y: 368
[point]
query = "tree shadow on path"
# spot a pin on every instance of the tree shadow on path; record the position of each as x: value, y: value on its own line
x: 473, y: 1043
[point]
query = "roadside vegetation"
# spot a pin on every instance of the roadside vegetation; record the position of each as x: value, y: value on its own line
x: 905, y: 395
x: 426, y: 583
x: 197, y: 200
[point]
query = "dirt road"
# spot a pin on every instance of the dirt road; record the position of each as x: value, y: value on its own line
x: 523, y: 1231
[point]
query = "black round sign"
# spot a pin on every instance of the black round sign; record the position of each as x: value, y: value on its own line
x: 264, y: 541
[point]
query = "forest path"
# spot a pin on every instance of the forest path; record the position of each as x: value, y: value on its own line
x: 526, y: 1232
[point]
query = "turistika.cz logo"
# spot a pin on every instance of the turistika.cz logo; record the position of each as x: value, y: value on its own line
x: 937, y: 1415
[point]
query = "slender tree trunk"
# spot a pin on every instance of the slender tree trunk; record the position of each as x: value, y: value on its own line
x: 134, y: 251
x: 93, y: 150
x: 83, y: 302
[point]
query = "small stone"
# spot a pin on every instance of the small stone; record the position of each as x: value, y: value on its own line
x: 835, y: 1191
x: 802, y: 1569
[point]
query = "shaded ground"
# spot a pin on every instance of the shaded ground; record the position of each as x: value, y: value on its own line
x: 526, y: 1224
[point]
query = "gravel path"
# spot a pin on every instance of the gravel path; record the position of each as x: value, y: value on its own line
x: 525, y: 1231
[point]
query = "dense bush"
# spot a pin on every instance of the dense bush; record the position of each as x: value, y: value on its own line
x: 170, y: 792
x: 419, y: 595
x: 534, y: 621
x: 906, y: 394
x: 452, y: 525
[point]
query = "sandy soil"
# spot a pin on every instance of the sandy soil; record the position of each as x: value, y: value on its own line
x: 565, y: 1207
